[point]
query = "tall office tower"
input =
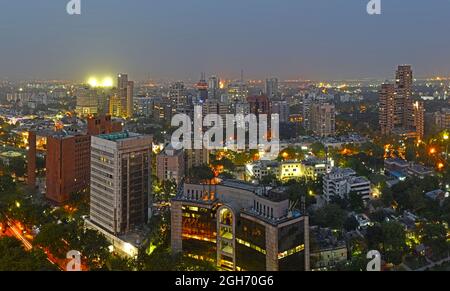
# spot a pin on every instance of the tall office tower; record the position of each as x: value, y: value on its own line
x: 125, y: 94
x: 237, y: 91
x: 212, y: 106
x: 202, y: 88
x: 323, y: 119
x: 282, y: 109
x: 87, y: 101
x: 177, y: 93
x: 404, y: 104
x: 418, y: 119
x: 120, y: 182
x: 387, y: 108
x: 272, y: 89
x: 259, y: 105
x: 213, y: 87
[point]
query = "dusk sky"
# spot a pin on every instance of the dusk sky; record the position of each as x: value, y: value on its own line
x: 178, y: 39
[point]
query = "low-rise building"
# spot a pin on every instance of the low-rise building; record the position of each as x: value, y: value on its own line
x: 327, y: 250
x: 170, y: 165
x: 341, y: 182
x: 400, y: 169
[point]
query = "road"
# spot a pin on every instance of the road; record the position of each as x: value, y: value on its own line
x: 15, y: 231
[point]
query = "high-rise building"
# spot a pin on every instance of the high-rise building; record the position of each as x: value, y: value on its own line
x: 272, y: 89
x: 202, y: 89
x: 418, y: 119
x: 323, y: 119
x: 67, y: 165
x: 442, y: 119
x: 403, y: 109
x: 91, y: 101
x: 259, y: 105
x: 177, y: 93
x: 213, y: 87
x: 121, y: 104
x: 399, y: 113
x: 195, y: 158
x: 387, y: 108
x: 68, y: 159
x: 306, y: 109
x: 212, y: 106
x: 282, y: 109
x: 240, y: 226
x: 120, y: 182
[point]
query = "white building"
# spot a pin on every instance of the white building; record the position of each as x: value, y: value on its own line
x: 120, y: 182
x: 341, y: 182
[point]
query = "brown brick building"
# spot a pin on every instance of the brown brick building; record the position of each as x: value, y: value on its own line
x: 69, y: 157
x: 68, y: 166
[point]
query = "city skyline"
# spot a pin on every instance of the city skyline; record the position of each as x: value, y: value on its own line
x: 178, y: 40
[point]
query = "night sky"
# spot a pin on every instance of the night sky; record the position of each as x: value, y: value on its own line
x: 178, y: 39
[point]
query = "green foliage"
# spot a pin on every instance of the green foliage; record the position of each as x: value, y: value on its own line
x: 390, y: 239
x: 435, y: 237
x: 13, y: 257
x: 318, y: 149
x: 332, y: 216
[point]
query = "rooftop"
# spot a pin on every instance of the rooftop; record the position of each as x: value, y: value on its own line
x: 118, y: 136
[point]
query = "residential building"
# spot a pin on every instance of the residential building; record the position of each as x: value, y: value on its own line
x: 339, y: 183
x: 323, y: 119
x: 170, y: 165
x: 399, y: 113
x: 272, y: 88
x: 327, y: 250
x: 442, y: 119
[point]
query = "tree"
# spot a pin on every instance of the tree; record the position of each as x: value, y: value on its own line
x: 394, y: 242
x: 356, y: 201
x: 95, y: 248
x: 202, y: 173
x: 164, y: 260
x: 435, y: 237
x: 390, y: 239
x: 331, y: 216
x: 13, y: 257
x: 51, y: 237
x: 18, y: 166
x: 351, y: 223
x: 318, y: 149
x: 387, y: 196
